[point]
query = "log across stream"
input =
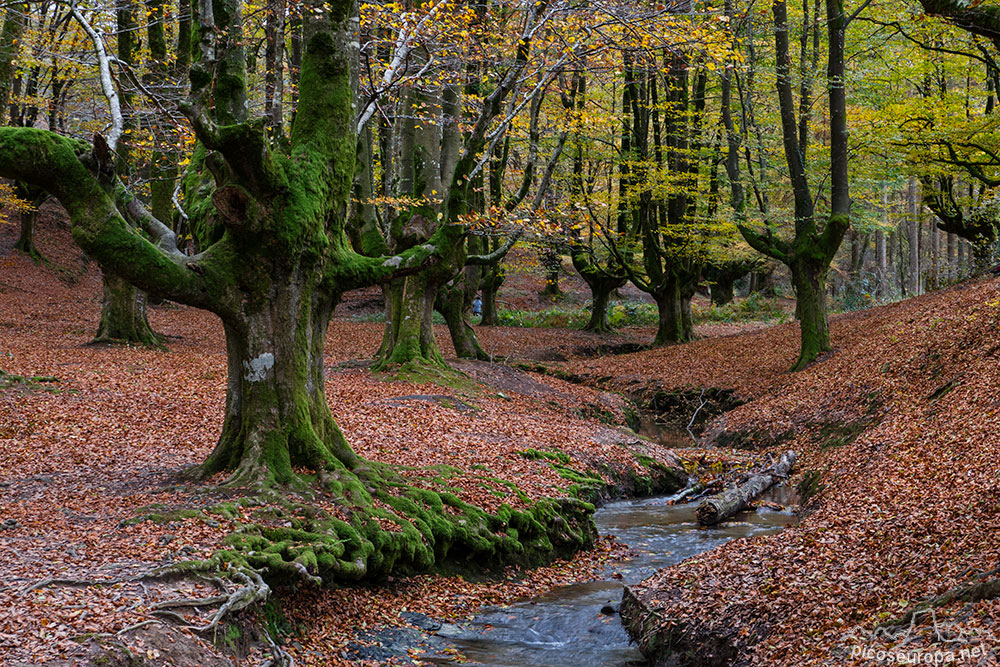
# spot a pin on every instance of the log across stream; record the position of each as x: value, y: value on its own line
x: 577, y: 625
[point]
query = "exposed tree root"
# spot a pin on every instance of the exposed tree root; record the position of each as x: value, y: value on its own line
x: 383, y: 525
x: 985, y: 586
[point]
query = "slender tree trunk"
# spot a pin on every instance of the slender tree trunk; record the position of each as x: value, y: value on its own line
x: 883, y: 264
x: 15, y: 20
x: 913, y: 235
x: 952, y: 267
x: 935, y: 258
x: 163, y: 170
x: 274, y: 58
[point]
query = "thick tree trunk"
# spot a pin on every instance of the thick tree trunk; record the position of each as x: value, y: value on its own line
x: 277, y: 417
x: 26, y: 240
x: 603, y: 284
x: 724, y: 505
x: 600, y: 294
x: 674, y: 323
x: 409, y: 328
x: 809, y: 281
x: 723, y: 289
x: 123, y: 314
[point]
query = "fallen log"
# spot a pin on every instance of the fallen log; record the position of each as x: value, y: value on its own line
x: 723, y: 505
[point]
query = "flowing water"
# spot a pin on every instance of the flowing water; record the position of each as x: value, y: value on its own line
x: 566, y: 627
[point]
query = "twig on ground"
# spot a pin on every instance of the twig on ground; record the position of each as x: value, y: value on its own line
x: 695, y: 416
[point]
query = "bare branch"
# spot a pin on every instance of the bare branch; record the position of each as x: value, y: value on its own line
x: 107, y: 83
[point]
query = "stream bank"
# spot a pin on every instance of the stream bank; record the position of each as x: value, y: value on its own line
x: 578, y: 624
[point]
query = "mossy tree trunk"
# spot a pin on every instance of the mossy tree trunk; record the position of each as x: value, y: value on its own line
x: 26, y: 239
x: 408, y: 340
x: 437, y: 167
x: 163, y: 165
x: 552, y: 263
x: 490, y: 283
x: 34, y: 197
x: 809, y: 280
x: 673, y: 247
x: 123, y: 307
x: 723, y: 290
x: 123, y: 314
x: 602, y: 283
x: 600, y: 297
x: 604, y: 279
x: 277, y: 415
x: 674, y: 321
x: 723, y: 274
x: 454, y: 303
x: 409, y: 330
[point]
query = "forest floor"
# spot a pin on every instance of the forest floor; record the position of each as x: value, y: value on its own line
x: 92, y: 437
x: 896, y: 429
x: 897, y: 434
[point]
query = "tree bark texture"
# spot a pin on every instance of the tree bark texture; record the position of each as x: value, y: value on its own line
x: 721, y: 506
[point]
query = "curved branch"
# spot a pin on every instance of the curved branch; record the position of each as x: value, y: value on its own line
x: 495, y: 256
x: 72, y: 172
x: 772, y: 246
x: 351, y: 270
x: 107, y: 84
x: 163, y: 237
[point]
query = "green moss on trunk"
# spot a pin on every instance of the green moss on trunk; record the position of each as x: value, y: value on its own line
x: 124, y: 317
x: 809, y: 280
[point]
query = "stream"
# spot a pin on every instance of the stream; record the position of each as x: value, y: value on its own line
x: 566, y: 627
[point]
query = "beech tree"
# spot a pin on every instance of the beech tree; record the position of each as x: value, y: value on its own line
x: 280, y: 262
x: 438, y: 169
x: 815, y: 238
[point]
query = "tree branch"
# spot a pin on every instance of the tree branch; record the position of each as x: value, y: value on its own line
x: 74, y: 173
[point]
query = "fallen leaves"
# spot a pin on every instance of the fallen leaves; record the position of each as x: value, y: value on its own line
x: 112, y: 440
